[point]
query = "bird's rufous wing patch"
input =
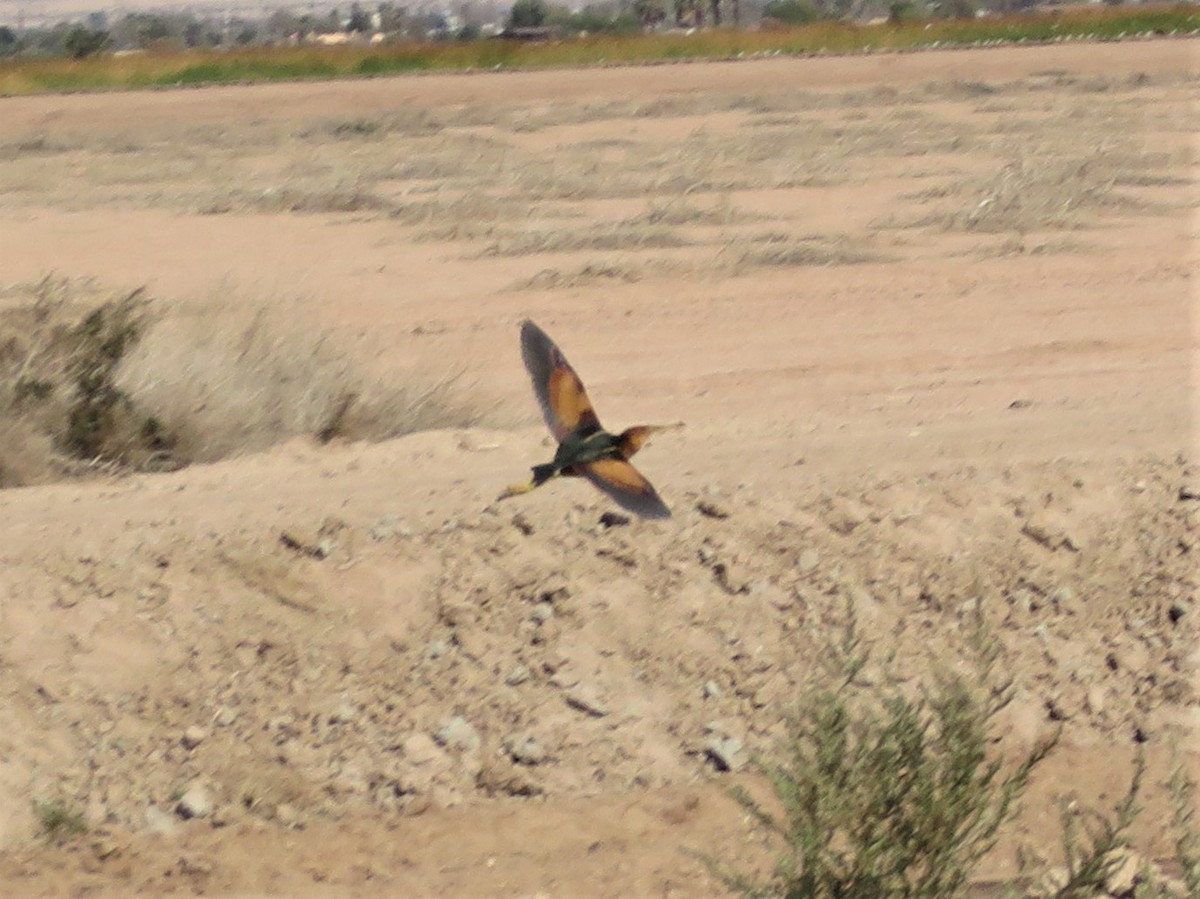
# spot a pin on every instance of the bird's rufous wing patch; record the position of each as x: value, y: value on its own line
x: 626, y: 486
x: 560, y: 392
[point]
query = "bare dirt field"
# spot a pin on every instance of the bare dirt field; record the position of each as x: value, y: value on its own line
x: 930, y: 320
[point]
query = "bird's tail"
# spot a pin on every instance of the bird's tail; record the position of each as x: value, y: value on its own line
x: 543, y: 473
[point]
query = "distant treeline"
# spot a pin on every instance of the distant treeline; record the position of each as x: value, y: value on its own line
x: 151, y: 50
x: 388, y: 22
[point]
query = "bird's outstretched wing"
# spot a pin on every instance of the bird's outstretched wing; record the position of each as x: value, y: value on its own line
x: 565, y: 404
x: 626, y: 486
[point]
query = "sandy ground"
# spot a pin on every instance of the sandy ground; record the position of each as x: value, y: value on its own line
x: 929, y: 319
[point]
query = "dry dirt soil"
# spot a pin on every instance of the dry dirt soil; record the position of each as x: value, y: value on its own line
x: 930, y: 322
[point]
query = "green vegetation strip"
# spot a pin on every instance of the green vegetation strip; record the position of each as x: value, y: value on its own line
x: 153, y: 70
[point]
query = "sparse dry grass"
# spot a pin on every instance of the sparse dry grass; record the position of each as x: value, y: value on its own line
x: 452, y: 209
x: 582, y: 276
x: 1063, y: 168
x: 677, y: 211
x: 782, y: 250
x: 1037, y: 192
x: 513, y: 183
x: 479, y: 174
x: 738, y: 255
x: 1012, y: 247
x: 231, y: 378
x: 414, y: 122
x: 617, y: 236
x: 339, y: 196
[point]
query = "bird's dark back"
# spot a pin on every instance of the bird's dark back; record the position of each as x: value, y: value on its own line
x: 587, y: 445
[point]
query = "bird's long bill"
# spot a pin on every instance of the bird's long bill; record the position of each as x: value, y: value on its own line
x: 626, y: 486
x: 560, y: 392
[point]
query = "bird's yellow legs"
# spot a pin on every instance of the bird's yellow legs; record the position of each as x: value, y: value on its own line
x: 516, y: 490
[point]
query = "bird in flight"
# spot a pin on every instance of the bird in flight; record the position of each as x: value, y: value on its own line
x: 585, y: 449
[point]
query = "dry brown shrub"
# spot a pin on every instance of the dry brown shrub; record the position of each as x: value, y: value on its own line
x: 97, y: 382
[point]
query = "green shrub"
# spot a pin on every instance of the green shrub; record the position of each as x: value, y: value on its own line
x: 1183, y: 819
x: 884, y: 794
x: 59, y: 821
x: 1093, y: 844
x: 59, y: 400
x: 99, y: 413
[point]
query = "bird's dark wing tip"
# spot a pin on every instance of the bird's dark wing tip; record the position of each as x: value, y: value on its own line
x: 534, y: 338
x: 627, y: 487
x: 540, y: 356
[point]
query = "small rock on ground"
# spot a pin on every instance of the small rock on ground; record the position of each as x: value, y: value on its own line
x: 159, y: 822
x: 459, y: 734
x: 194, y: 803
x: 526, y: 749
x: 726, y: 753
x: 585, y: 700
x: 193, y: 736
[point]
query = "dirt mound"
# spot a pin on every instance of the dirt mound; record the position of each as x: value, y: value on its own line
x: 314, y: 672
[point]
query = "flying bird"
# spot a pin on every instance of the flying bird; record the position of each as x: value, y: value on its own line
x: 585, y: 449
